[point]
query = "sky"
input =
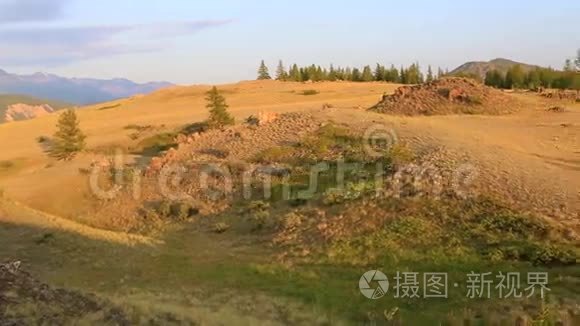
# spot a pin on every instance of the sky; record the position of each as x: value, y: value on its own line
x: 219, y: 41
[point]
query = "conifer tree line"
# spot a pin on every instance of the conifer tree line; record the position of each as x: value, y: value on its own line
x: 515, y: 77
x: 403, y: 75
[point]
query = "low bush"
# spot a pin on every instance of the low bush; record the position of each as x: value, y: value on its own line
x: 220, y: 227
x: 309, y: 92
x: 180, y: 211
x: 444, y: 92
x: 42, y: 139
x: 473, y: 100
x: 156, y: 144
x: 197, y: 127
x: 108, y: 107
x: 514, y: 224
x: 352, y: 191
x: 274, y: 154
x: 6, y: 164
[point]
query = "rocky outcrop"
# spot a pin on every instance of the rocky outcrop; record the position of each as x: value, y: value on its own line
x: 450, y: 95
x: 22, y: 111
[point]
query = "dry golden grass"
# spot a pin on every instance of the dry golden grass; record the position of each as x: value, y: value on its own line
x: 178, y: 106
x: 30, y: 181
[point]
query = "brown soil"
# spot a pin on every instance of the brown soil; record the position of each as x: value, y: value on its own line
x: 22, y: 297
x: 450, y: 95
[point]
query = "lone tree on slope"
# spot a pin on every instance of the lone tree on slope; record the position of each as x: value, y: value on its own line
x: 218, y: 110
x: 68, y: 140
x: 263, y: 73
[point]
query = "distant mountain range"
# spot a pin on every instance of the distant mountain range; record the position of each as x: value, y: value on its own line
x: 480, y: 68
x: 22, y: 107
x: 73, y: 90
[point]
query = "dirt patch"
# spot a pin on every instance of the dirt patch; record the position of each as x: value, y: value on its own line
x: 23, y: 300
x: 450, y: 95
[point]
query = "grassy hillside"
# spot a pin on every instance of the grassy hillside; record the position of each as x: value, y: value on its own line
x: 9, y: 99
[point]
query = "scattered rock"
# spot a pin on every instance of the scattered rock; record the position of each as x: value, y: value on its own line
x: 557, y: 109
x: 263, y: 118
x: 21, y: 111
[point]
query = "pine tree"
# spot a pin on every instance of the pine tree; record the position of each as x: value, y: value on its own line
x: 440, y: 73
x: 494, y: 78
x: 392, y: 75
x: 403, y: 76
x: 348, y: 74
x: 430, y: 77
x: 281, y: 72
x: 295, y: 73
x: 68, y: 140
x: 218, y: 110
x: 332, y: 74
x: 263, y: 73
x: 568, y: 65
x: 379, y: 73
x: 577, y: 61
x: 515, y: 77
x: 533, y: 79
x: 367, y: 74
x: 356, y: 75
x: 413, y: 74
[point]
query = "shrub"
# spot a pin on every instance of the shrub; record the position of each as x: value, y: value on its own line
x: 515, y: 224
x: 550, y: 254
x: 155, y: 144
x: 260, y: 220
x: 352, y: 191
x: 164, y: 208
x: 274, y: 154
x: 220, y: 227
x: 444, y: 92
x: 257, y: 205
x: 138, y: 127
x: 218, y: 110
x: 180, y: 211
x: 108, y: 107
x: 84, y: 171
x: 6, y: 164
x: 197, y: 127
x: 309, y: 92
x: 400, y: 155
x: 473, y: 100
x: 259, y: 214
x: 69, y: 139
x: 183, y: 211
x: 42, y: 139
x: 292, y: 220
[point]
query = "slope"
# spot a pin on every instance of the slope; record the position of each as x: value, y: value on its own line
x: 480, y: 68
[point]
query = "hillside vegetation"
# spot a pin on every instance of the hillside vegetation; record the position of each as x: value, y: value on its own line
x: 182, y: 237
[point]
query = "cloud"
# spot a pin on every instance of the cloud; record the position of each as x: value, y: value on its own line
x: 182, y: 28
x: 15, y: 11
x: 62, y: 45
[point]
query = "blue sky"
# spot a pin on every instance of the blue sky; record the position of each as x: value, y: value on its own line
x: 187, y: 41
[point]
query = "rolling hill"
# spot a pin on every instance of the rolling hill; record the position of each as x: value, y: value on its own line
x: 74, y: 90
x: 480, y: 68
x: 15, y: 107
